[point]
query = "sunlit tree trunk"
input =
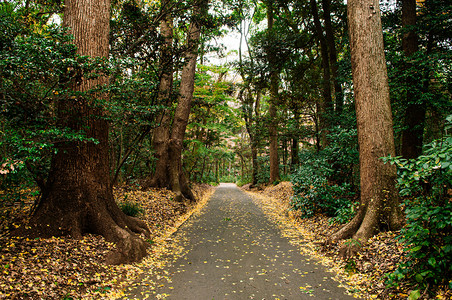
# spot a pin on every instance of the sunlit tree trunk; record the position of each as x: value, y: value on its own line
x: 379, y: 207
x: 78, y: 196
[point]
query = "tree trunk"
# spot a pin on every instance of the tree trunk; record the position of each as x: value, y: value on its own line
x: 272, y: 127
x: 178, y: 182
x: 329, y: 33
x: 274, y: 159
x: 326, y: 101
x: 295, y: 161
x: 379, y: 207
x: 414, y: 121
x: 78, y: 196
x: 162, y: 133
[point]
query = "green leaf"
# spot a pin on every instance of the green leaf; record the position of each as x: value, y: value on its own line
x: 415, y: 249
x: 432, y: 261
x: 414, y: 295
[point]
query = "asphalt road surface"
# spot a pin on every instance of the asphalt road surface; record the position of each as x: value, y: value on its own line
x: 232, y: 251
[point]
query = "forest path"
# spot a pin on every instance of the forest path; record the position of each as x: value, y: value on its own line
x: 232, y: 251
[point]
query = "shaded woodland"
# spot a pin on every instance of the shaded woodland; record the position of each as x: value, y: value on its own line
x: 350, y: 102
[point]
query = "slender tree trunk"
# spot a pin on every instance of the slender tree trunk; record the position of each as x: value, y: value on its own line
x: 285, y: 154
x: 295, y: 161
x: 325, y: 104
x: 379, y: 208
x: 274, y: 159
x: 250, y: 128
x: 412, y: 135
x: 329, y: 33
x: 178, y: 182
x: 272, y: 127
x: 217, y: 173
x: 162, y: 133
x: 78, y: 196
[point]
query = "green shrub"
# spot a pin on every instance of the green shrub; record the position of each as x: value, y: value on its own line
x: 131, y: 209
x: 426, y: 183
x: 242, y: 181
x: 315, y: 193
x: 263, y: 176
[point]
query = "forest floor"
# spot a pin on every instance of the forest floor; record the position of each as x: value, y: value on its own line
x: 364, y: 275
x: 65, y: 268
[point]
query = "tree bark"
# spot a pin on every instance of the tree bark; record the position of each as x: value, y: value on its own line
x: 329, y: 33
x: 414, y: 121
x: 272, y: 125
x: 178, y: 181
x: 379, y: 203
x: 325, y: 104
x: 295, y: 161
x: 78, y: 196
x: 162, y: 133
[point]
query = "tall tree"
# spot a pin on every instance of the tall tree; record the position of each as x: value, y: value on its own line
x: 272, y: 127
x: 379, y: 202
x: 250, y: 101
x: 332, y: 55
x: 178, y: 181
x: 413, y: 129
x: 325, y: 104
x: 77, y: 197
x: 162, y: 132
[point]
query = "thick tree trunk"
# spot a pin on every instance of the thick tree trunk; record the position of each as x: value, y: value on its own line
x: 414, y: 121
x: 178, y: 182
x: 379, y: 208
x: 273, y: 124
x: 325, y: 104
x: 78, y: 195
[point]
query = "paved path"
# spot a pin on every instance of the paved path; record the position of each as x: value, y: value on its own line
x: 232, y: 251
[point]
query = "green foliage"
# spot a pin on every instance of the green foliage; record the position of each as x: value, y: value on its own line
x: 263, y: 176
x: 131, y: 208
x: 37, y: 64
x: 325, y: 180
x: 315, y: 193
x: 212, y: 120
x: 426, y: 184
x: 425, y: 77
x: 243, y: 180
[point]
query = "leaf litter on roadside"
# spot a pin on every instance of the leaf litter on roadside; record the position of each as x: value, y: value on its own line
x: 362, y: 275
x: 62, y: 267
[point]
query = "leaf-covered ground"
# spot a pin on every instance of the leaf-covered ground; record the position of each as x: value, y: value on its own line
x: 364, y: 274
x: 65, y: 268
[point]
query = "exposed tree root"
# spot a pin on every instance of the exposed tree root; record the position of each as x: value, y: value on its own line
x: 90, y: 212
